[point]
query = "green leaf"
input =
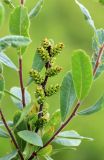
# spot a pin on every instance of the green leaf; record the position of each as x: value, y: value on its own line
x: 9, y: 156
x: 72, y: 135
x: 31, y: 137
x: 67, y: 95
x: 86, y: 15
x: 95, y: 108
x: 82, y: 73
x: 14, y: 41
x: 3, y: 134
x: 38, y: 65
x: 9, y: 123
x: 45, y: 151
x: 7, y: 61
x: 19, y: 22
x: 17, y: 92
x: 1, y: 14
x: 36, y: 10
x: 68, y: 142
x: 97, y: 42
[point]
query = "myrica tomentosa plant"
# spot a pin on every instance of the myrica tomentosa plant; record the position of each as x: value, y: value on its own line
x: 33, y: 131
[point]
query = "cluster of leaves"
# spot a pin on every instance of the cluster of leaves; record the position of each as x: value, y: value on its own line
x: 33, y: 131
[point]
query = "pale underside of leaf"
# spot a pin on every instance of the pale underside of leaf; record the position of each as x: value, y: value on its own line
x: 95, y: 108
x: 68, y: 142
x: 31, y: 137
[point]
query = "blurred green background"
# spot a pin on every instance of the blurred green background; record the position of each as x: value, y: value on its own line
x: 62, y: 21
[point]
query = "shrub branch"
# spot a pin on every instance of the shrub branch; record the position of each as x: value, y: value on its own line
x: 74, y: 111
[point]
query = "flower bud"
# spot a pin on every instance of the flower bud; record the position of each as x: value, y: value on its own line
x: 36, y: 76
x: 46, y: 43
x: 53, y: 71
x: 44, y: 54
x: 52, y: 90
x: 57, y: 49
x: 40, y: 95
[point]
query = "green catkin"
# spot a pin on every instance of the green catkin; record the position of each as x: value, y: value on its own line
x: 53, y: 71
x: 52, y: 90
x: 36, y: 76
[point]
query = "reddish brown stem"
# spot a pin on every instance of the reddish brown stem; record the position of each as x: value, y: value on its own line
x: 21, y: 81
x: 11, y: 135
x: 98, y: 59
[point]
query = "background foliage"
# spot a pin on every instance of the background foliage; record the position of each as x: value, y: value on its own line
x: 62, y: 20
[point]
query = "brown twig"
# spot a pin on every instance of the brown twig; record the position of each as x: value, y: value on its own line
x: 11, y: 135
x: 21, y: 81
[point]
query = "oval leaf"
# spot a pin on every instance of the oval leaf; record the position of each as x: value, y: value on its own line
x: 82, y: 73
x: 36, y: 10
x: 7, y: 61
x: 68, y: 142
x: 9, y: 156
x: 67, y: 95
x: 31, y: 137
x: 73, y: 135
x: 95, y: 108
x: 14, y: 41
x: 17, y: 92
x: 19, y: 22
